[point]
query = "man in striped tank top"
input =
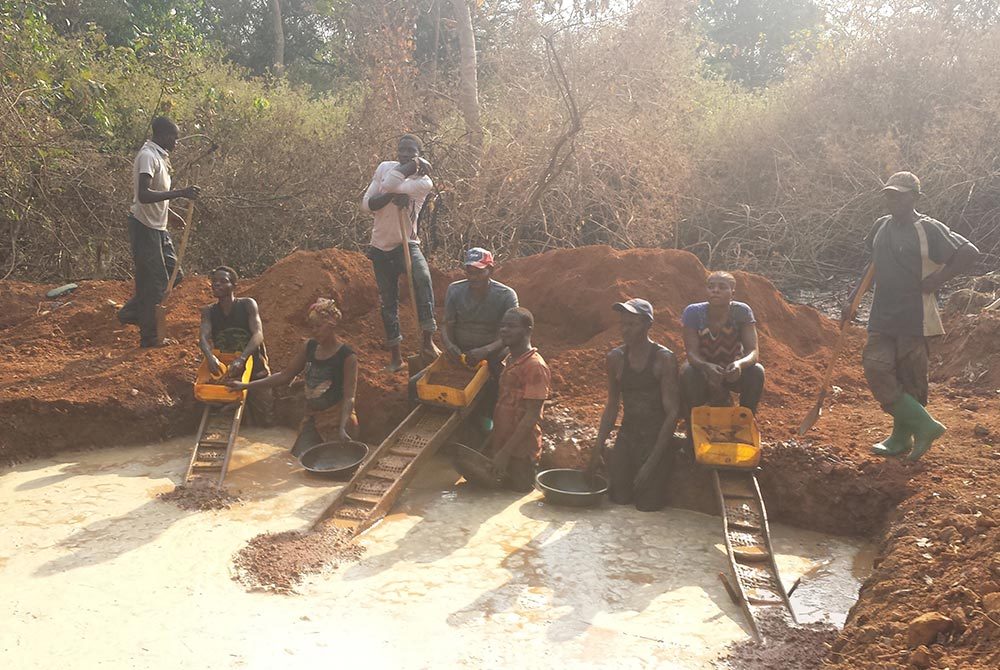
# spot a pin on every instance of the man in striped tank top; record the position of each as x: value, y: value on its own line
x: 720, y: 337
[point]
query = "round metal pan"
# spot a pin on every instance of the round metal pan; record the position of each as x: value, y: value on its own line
x: 565, y: 486
x: 475, y: 466
x: 337, y: 460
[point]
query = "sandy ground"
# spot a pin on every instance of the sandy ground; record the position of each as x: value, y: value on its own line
x: 95, y: 572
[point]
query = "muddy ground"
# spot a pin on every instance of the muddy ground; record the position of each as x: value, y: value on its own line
x: 72, y: 376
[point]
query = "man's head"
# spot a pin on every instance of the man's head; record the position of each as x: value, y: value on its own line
x: 720, y: 285
x: 901, y: 192
x: 165, y: 132
x: 516, y: 327
x: 324, y: 315
x: 478, y: 267
x: 409, y: 147
x: 635, y: 318
x: 224, y: 280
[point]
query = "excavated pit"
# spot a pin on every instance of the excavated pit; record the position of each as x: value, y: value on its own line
x: 74, y: 379
x: 492, y: 577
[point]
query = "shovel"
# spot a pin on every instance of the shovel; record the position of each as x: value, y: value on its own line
x: 160, y: 311
x: 404, y: 231
x: 813, y: 416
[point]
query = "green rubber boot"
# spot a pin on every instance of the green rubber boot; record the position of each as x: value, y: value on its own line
x: 925, y: 428
x: 897, y: 444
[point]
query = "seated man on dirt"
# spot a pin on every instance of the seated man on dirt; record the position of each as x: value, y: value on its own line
x: 720, y: 337
x: 232, y: 325
x: 473, y: 309
x: 516, y: 442
x: 331, y: 376
x: 642, y: 378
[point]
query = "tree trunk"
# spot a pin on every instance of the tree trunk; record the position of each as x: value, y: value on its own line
x: 278, y: 59
x: 468, y: 95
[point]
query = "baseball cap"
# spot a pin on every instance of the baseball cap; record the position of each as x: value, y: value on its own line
x: 635, y: 306
x: 478, y: 257
x: 904, y: 182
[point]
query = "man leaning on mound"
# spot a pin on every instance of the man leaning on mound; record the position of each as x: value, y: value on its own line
x: 914, y: 255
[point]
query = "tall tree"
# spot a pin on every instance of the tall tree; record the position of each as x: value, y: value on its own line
x: 468, y: 94
x: 749, y: 41
x: 278, y: 59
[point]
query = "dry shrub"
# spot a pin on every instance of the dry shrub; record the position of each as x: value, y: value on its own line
x: 605, y: 131
x: 789, y: 183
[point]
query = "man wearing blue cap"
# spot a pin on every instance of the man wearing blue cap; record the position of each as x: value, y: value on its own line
x: 643, y: 381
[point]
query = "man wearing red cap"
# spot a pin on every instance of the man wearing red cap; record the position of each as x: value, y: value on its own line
x: 473, y: 310
x: 914, y: 255
x: 643, y: 380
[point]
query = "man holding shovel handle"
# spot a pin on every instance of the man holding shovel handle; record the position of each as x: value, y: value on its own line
x: 395, y: 197
x: 912, y: 256
x: 152, y: 249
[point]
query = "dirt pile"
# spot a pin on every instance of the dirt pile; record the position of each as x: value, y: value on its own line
x: 279, y: 561
x: 784, y: 647
x: 968, y: 355
x: 201, y: 497
x: 571, y: 292
x: 74, y: 376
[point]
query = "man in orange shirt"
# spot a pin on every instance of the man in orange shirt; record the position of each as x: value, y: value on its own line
x: 524, y: 387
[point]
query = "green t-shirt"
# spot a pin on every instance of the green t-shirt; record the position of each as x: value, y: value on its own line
x: 903, y: 255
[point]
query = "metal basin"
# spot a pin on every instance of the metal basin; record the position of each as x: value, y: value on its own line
x: 476, y: 467
x: 565, y: 486
x: 337, y: 460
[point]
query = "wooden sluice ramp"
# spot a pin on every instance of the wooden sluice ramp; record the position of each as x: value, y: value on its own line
x: 756, y: 585
x: 370, y: 494
x: 217, y: 432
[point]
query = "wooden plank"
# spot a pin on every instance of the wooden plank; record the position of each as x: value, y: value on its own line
x: 370, y: 466
x: 194, y: 452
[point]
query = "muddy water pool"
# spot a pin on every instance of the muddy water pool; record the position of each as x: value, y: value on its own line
x: 97, y: 572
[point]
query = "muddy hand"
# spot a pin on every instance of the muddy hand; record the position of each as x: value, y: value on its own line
x: 215, y: 366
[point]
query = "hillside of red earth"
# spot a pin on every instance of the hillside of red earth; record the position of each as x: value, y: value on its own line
x: 74, y: 378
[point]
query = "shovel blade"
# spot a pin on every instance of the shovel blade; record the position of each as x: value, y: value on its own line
x: 813, y: 416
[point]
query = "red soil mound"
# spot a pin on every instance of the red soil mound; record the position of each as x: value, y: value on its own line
x: 969, y: 354
x: 571, y: 291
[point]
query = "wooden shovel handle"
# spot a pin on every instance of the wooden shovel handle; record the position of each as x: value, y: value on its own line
x: 188, y: 225
x: 813, y: 415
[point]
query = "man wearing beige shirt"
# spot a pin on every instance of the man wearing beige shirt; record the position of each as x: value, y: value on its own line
x: 398, y: 190
x: 152, y: 249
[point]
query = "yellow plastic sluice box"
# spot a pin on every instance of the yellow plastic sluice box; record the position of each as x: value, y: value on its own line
x: 725, y: 437
x: 212, y: 389
x: 448, y: 396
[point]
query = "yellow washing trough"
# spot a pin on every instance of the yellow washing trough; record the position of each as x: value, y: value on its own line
x: 213, y: 389
x: 725, y: 437
x: 429, y: 391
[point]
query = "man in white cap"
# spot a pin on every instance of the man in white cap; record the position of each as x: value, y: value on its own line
x: 914, y: 255
x: 643, y: 381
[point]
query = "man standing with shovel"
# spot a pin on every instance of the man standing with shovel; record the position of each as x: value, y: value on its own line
x: 152, y: 249
x: 913, y: 256
x: 395, y: 197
